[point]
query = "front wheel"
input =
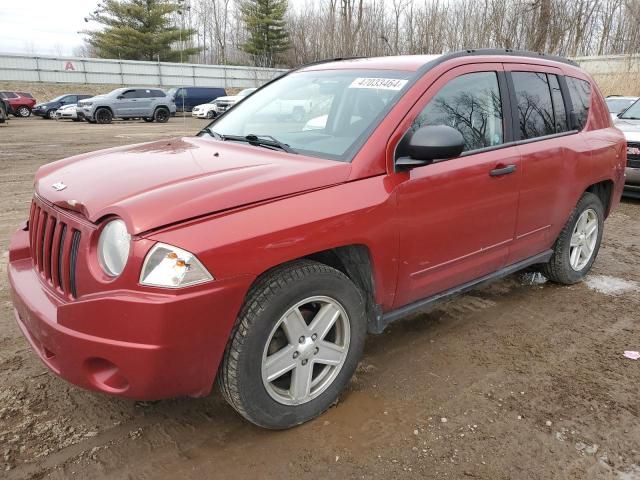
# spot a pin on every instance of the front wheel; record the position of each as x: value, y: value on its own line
x: 579, y: 242
x: 211, y: 114
x: 295, y: 346
x: 103, y: 116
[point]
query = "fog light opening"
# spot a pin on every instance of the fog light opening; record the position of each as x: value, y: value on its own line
x: 106, y: 375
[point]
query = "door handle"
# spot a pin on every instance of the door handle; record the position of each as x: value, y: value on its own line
x: 498, y: 172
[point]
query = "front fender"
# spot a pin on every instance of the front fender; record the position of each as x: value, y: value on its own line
x: 252, y: 240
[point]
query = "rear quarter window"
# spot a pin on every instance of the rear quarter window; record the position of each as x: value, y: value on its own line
x: 580, y: 94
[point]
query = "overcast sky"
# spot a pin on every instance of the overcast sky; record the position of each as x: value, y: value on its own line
x: 48, y: 27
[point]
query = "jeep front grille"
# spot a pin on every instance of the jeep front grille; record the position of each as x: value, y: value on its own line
x: 54, y: 248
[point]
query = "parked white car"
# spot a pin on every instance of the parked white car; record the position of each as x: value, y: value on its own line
x: 206, y: 110
x: 222, y: 104
x: 67, y: 112
x: 618, y: 104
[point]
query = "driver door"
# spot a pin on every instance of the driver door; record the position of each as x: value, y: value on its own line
x: 457, y: 217
x: 126, y: 104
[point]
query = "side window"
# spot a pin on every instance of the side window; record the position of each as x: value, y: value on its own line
x: 471, y: 104
x: 559, y: 111
x: 130, y: 94
x: 70, y: 99
x: 157, y: 94
x: 535, y: 110
x: 580, y: 92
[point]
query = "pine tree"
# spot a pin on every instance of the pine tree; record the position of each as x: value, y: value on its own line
x: 265, y: 23
x: 139, y: 30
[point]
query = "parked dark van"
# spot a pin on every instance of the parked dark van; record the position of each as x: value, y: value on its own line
x: 188, y: 97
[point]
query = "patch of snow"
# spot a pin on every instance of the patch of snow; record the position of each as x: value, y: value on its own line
x: 611, y: 285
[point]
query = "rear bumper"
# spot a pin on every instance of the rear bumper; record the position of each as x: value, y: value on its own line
x: 130, y: 343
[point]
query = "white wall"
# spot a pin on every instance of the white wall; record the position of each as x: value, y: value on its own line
x: 25, y: 68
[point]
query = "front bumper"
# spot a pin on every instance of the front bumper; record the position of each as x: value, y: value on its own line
x: 136, y: 344
x: 632, y: 182
x: 199, y: 114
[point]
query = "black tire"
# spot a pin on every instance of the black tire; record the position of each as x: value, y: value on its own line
x: 51, y: 114
x: 75, y: 119
x: 559, y: 268
x: 148, y: 119
x: 211, y: 114
x: 103, y: 116
x: 23, y: 112
x: 240, y: 374
x: 161, y: 115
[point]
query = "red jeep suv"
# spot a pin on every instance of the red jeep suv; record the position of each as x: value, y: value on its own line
x: 21, y: 103
x: 261, y: 251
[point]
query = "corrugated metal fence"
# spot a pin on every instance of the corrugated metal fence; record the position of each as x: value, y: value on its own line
x: 610, y: 64
x: 26, y: 68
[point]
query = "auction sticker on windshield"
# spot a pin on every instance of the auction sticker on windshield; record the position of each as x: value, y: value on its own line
x: 378, y: 83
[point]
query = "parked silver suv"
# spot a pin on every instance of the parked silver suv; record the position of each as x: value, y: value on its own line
x: 138, y: 102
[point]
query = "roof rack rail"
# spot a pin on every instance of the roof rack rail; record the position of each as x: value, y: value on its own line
x: 510, y: 52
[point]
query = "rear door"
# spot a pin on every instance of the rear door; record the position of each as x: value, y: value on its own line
x: 548, y: 157
x: 125, y: 104
x: 457, y: 217
x: 144, y: 103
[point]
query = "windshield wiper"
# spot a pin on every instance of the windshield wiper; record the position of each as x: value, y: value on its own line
x: 215, y: 135
x: 260, y: 140
x: 252, y: 139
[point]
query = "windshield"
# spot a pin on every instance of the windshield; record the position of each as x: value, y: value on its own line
x: 633, y: 112
x: 327, y: 113
x: 57, y: 99
x: 617, y: 105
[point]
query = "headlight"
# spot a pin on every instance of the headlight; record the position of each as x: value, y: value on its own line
x: 172, y: 267
x: 113, y: 247
x: 86, y: 104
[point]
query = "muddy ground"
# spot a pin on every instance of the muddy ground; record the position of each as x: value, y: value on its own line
x: 514, y: 381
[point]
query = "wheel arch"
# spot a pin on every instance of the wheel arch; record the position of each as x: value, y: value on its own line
x: 355, y: 261
x: 604, y: 191
x: 104, y: 106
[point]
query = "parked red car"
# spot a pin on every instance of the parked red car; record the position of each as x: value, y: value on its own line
x: 261, y: 253
x: 21, y: 102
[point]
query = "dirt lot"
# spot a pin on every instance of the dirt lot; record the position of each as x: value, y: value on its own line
x: 514, y: 381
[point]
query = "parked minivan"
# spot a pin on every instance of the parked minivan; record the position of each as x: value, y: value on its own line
x: 188, y: 97
x: 261, y: 253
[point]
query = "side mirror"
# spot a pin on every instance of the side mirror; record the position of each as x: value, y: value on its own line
x: 436, y: 142
x: 120, y: 97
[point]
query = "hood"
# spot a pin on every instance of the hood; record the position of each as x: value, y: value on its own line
x: 203, y: 106
x: 630, y: 128
x: 156, y: 184
x: 229, y: 97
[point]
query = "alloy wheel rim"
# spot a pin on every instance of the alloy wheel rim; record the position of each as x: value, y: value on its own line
x: 306, y: 350
x: 161, y: 115
x: 583, y: 239
x: 24, y: 112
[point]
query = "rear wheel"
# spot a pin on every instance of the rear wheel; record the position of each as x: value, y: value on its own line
x: 295, y: 346
x: 579, y: 242
x: 161, y: 115
x: 103, y: 116
x: 23, y: 111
